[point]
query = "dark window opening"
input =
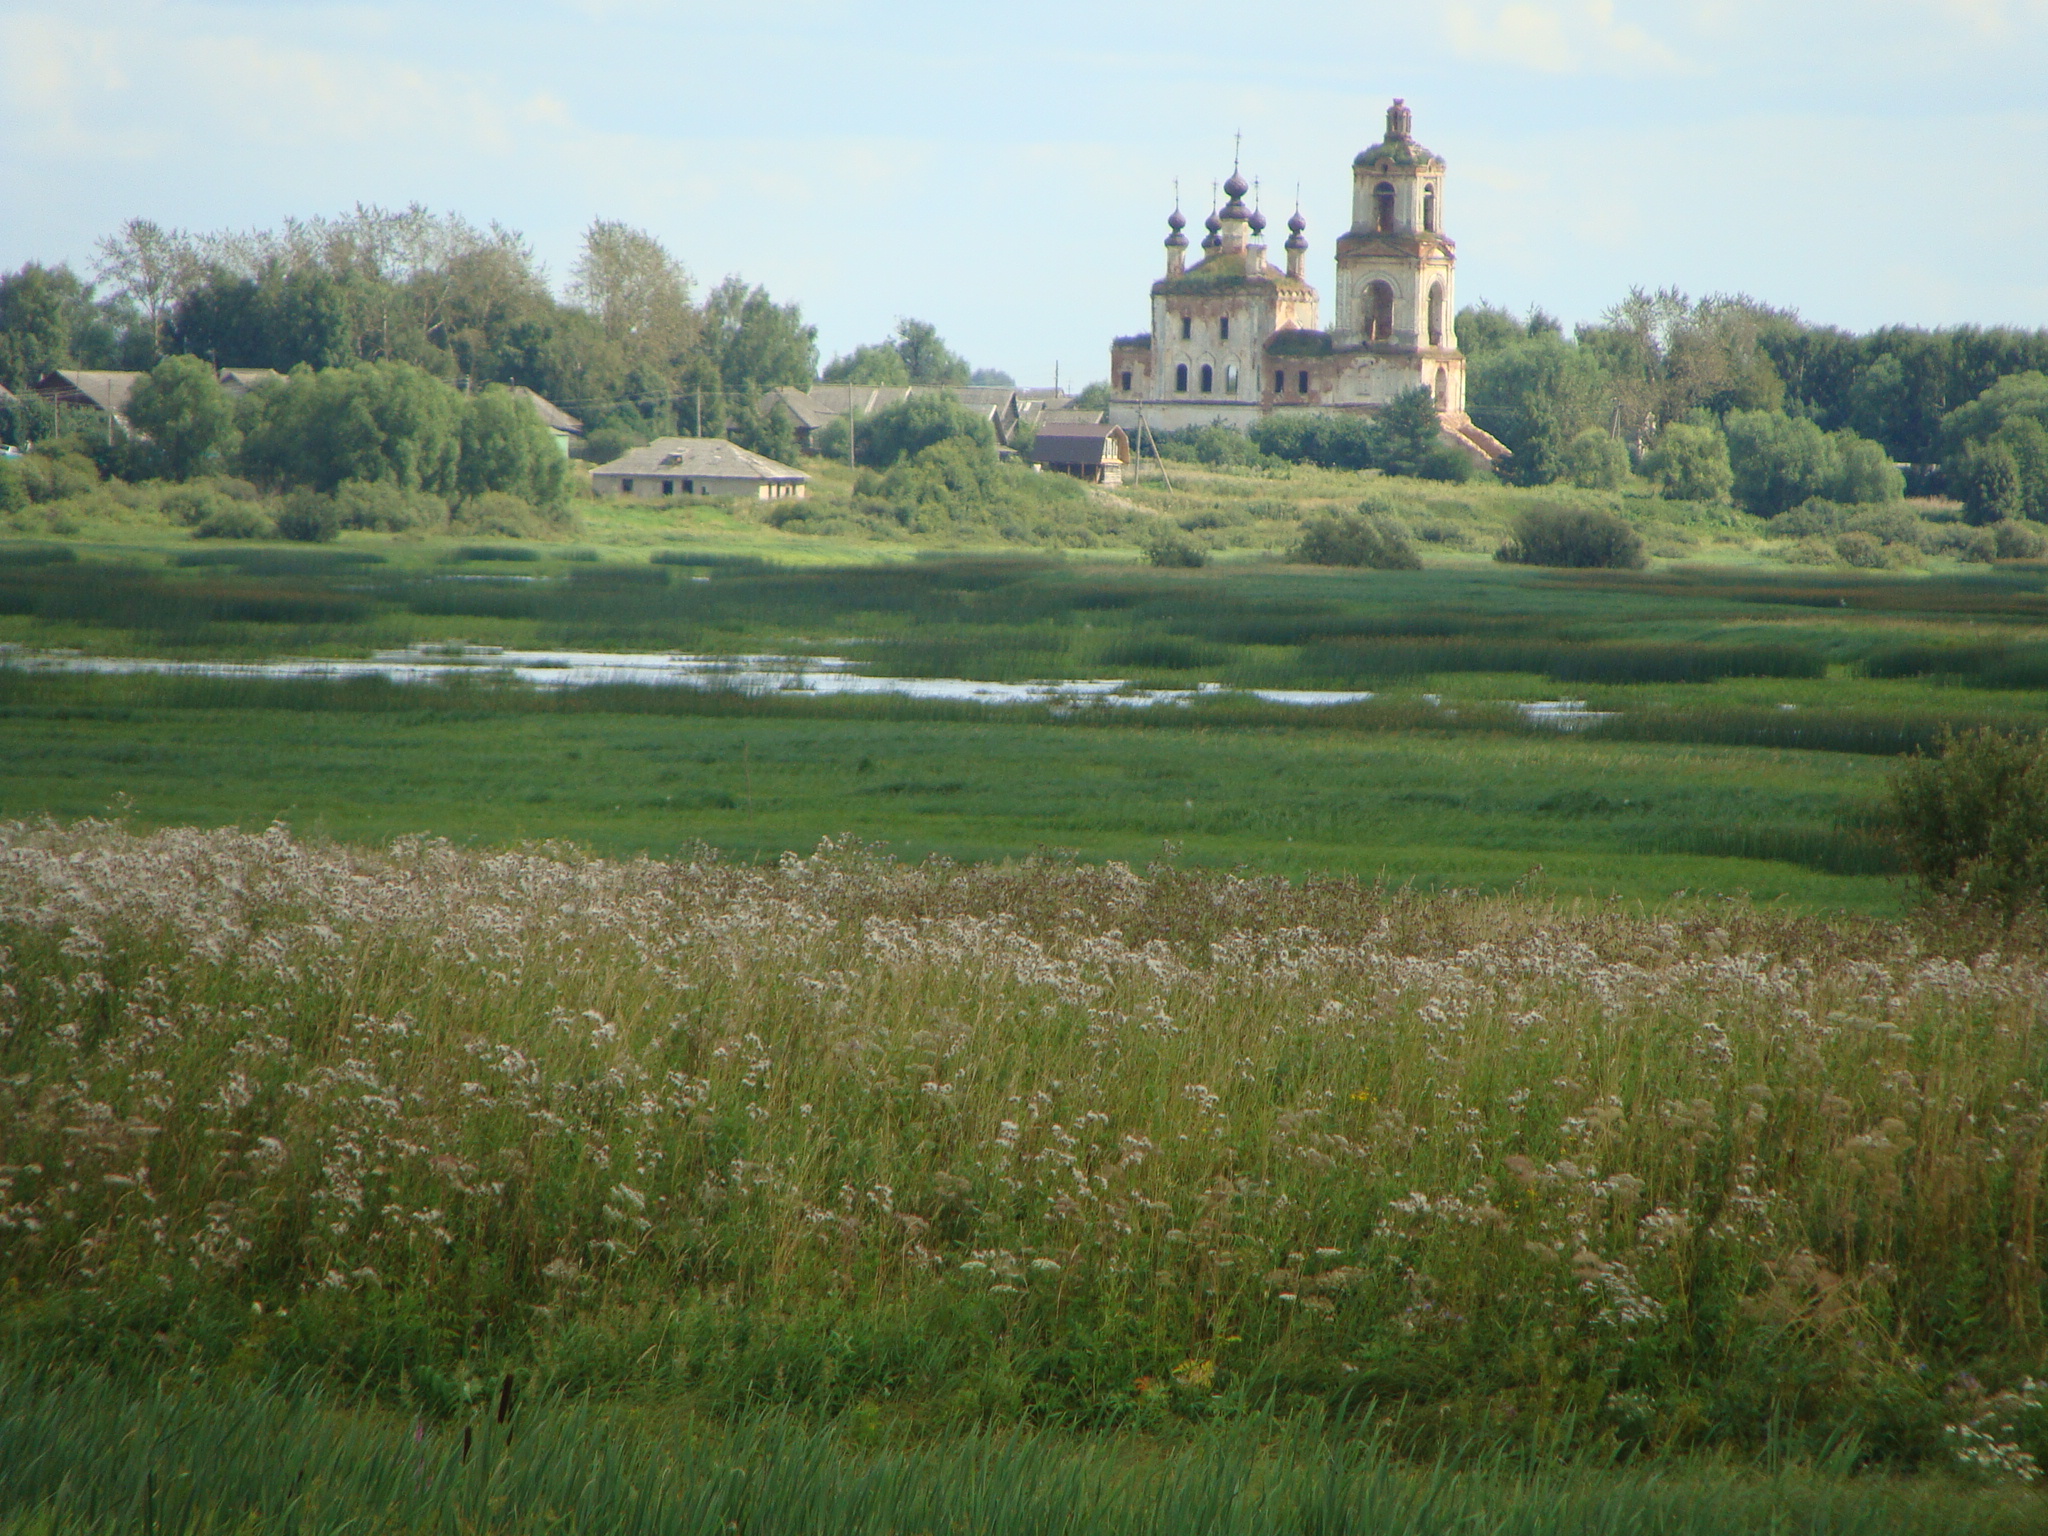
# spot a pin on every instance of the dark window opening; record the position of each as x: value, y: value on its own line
x: 1301, y: 387
x: 1429, y: 209
x: 689, y: 488
x: 626, y: 486
x: 1187, y: 326
x: 1180, y: 379
x: 1436, y: 315
x: 1127, y: 381
x: 1379, y: 312
x: 1279, y: 381
x: 1383, y: 203
x: 668, y: 487
x: 1208, y: 379
x: 1223, y: 327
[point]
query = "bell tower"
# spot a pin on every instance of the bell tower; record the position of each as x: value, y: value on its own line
x: 1396, y: 269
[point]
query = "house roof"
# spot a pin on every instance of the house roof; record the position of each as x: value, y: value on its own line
x: 1079, y: 443
x: 552, y: 415
x: 711, y: 457
x: 240, y: 381
x: 823, y: 403
x: 102, y: 389
x: 1049, y: 419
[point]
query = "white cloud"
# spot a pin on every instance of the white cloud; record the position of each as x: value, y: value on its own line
x: 1581, y: 37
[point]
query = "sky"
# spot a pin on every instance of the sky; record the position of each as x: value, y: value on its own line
x: 1005, y: 172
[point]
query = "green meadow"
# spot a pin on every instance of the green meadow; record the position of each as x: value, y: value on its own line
x: 1754, y: 710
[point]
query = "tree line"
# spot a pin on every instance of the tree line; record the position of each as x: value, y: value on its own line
x: 1728, y: 397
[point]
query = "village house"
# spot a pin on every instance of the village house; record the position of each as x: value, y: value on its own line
x: 564, y: 427
x: 240, y: 381
x: 90, y: 389
x: 1095, y: 452
x: 697, y: 466
x: 1235, y: 339
x: 812, y: 410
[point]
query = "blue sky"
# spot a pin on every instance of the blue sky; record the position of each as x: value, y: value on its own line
x: 1005, y: 172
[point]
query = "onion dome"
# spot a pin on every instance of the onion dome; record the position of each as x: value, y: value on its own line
x: 1296, y: 239
x: 1258, y: 222
x: 1214, y: 239
x: 1177, y: 222
x: 1236, y: 187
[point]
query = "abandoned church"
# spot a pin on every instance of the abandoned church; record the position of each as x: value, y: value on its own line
x: 1235, y: 338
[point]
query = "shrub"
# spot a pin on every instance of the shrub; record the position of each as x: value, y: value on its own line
x: 1690, y: 463
x: 13, y: 487
x: 191, y: 505
x: 1987, y: 480
x: 1893, y: 523
x: 1214, y: 444
x: 2018, y: 541
x: 1816, y: 517
x: 1367, y: 537
x: 918, y: 423
x: 1861, y: 550
x: 1168, y: 546
x: 1581, y: 537
x: 384, y: 507
x: 1972, y: 822
x: 501, y: 513
x: 307, y: 517
x: 235, y: 520
x: 1595, y: 460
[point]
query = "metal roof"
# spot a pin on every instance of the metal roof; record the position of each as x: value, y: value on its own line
x: 713, y: 458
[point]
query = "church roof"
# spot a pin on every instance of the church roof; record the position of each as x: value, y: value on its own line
x: 1398, y: 149
x: 1231, y: 269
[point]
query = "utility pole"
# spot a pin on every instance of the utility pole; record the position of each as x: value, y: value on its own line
x: 700, y: 410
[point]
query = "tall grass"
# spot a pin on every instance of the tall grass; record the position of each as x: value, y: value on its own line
x: 83, y: 1457
x: 1043, y: 1143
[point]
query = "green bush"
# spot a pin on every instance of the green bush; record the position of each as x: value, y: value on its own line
x: 1987, y: 481
x: 1580, y: 537
x: 506, y: 515
x: 308, y: 517
x: 923, y: 421
x: 191, y: 505
x: 384, y: 507
x: 13, y: 487
x: 1972, y: 822
x: 1862, y: 550
x: 1595, y: 460
x: 2018, y: 541
x: 1689, y: 462
x: 1367, y: 538
x: 235, y: 520
x: 1815, y: 517
x: 1168, y: 546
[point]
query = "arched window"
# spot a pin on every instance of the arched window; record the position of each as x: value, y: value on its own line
x: 1379, y: 312
x: 1180, y: 379
x: 1301, y: 383
x: 1208, y: 380
x: 1383, y: 203
x: 1443, y: 389
x: 1436, y: 314
x: 1187, y: 326
x: 1223, y: 327
x: 1429, y: 209
x: 1127, y: 381
x: 1230, y: 379
x: 1279, y: 381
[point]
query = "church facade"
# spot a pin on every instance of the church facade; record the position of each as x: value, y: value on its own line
x: 1235, y: 338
